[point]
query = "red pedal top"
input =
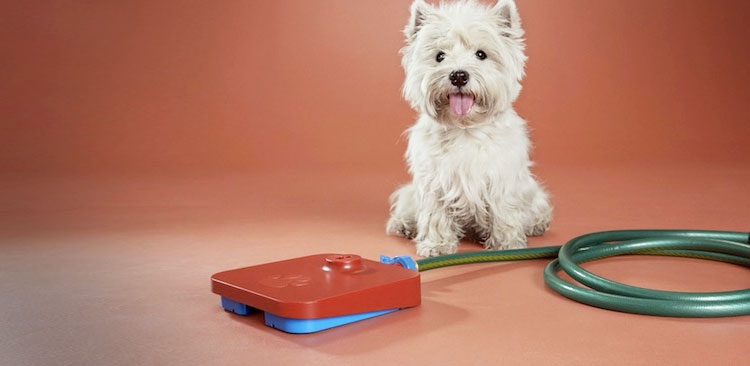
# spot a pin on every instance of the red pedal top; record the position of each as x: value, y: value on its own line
x: 320, y: 286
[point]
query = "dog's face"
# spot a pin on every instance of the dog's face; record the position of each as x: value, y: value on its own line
x: 464, y: 61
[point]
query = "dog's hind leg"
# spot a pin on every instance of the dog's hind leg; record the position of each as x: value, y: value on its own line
x: 539, y: 212
x: 403, y: 221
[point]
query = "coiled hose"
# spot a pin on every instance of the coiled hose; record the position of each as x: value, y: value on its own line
x: 724, y: 246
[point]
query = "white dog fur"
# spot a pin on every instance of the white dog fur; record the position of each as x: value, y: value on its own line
x: 468, y: 152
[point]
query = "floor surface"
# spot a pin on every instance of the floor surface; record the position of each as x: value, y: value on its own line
x: 115, y: 271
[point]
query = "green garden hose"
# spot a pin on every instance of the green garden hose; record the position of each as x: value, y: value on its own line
x: 724, y: 246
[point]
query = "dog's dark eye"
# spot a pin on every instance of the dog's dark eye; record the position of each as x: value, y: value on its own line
x: 481, y: 55
x: 440, y: 56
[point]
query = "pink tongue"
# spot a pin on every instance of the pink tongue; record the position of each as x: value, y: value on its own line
x: 461, y: 103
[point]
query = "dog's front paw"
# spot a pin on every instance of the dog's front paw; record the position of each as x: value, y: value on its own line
x: 399, y: 227
x: 506, y: 240
x: 428, y: 249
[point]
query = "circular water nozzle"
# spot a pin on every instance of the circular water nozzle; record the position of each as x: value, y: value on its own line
x: 344, y: 262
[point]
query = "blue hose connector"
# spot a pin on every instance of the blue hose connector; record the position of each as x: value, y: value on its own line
x: 401, y: 260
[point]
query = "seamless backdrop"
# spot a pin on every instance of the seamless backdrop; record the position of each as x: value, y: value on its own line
x: 190, y: 87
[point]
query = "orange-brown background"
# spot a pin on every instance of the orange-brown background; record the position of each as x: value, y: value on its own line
x: 145, y: 145
x: 194, y: 87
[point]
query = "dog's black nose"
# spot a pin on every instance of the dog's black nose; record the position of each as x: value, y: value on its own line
x: 459, y: 78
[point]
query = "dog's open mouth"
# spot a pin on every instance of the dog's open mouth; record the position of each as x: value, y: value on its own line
x: 461, y: 103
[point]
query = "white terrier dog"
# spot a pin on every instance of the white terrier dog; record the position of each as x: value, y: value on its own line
x: 468, y: 152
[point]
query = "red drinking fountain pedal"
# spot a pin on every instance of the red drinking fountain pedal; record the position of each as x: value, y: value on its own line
x: 317, y: 292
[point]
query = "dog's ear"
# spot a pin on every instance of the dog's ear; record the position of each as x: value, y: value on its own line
x: 419, y: 12
x: 510, y: 21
